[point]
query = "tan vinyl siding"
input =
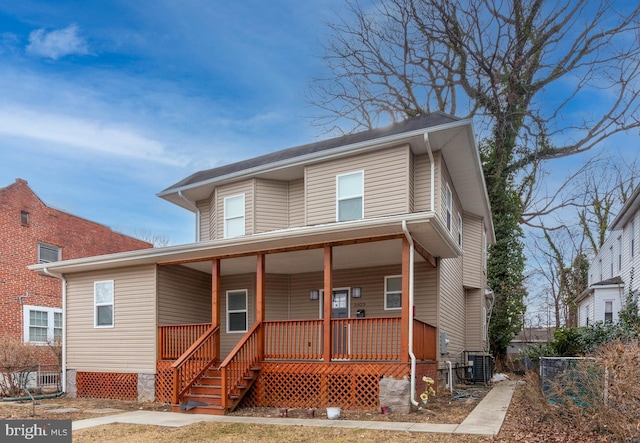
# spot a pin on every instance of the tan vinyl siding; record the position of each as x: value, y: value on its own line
x: 277, y: 297
x: 130, y: 346
x: 421, y: 183
x: 231, y: 283
x: 296, y: 203
x: 205, y: 214
x: 213, y: 216
x: 474, y: 323
x: 184, y: 296
x: 452, y: 304
x: 472, y: 245
x: 272, y: 205
x: 245, y: 187
x: 386, y: 184
x: 371, y: 280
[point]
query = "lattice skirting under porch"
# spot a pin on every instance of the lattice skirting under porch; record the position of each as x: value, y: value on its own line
x: 107, y: 385
x: 352, y: 386
x: 164, y: 381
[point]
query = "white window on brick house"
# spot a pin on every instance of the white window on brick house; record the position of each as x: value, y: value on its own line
x: 103, y: 299
x: 608, y: 311
x: 237, y: 311
x: 234, y: 225
x: 48, y: 253
x: 350, y: 196
x: 41, y: 324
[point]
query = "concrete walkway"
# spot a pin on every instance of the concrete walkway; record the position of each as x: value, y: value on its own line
x: 485, y: 419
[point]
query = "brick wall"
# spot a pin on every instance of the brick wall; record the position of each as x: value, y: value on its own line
x: 76, y: 237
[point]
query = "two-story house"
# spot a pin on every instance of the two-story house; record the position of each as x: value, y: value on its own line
x: 32, y: 232
x: 611, y: 273
x: 317, y: 271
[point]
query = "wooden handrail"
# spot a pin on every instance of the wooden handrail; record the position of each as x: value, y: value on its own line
x: 241, y: 360
x: 195, y: 361
x: 174, y: 340
x: 373, y: 338
x: 293, y: 339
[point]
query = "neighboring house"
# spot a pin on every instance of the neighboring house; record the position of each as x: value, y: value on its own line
x: 32, y: 232
x: 393, y: 223
x: 530, y: 336
x: 611, y: 274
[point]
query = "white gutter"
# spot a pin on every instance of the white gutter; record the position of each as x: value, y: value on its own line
x: 63, y: 368
x: 414, y: 402
x: 433, y: 170
x: 197, y: 211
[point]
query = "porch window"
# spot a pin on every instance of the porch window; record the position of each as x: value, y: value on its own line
x: 449, y: 205
x: 103, y: 304
x: 393, y: 292
x: 234, y: 216
x: 41, y: 324
x: 608, y: 311
x: 350, y: 196
x: 48, y: 253
x: 237, y: 311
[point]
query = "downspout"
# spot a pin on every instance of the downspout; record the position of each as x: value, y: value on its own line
x: 197, y: 211
x: 433, y: 171
x: 411, y: 308
x: 63, y: 368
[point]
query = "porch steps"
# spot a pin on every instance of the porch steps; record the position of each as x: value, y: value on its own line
x: 205, y: 396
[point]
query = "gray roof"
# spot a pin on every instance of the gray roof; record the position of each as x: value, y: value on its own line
x: 421, y: 122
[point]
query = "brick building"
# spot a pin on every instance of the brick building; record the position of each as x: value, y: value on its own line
x: 32, y: 232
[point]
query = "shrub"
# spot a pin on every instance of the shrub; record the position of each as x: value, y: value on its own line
x: 17, y: 360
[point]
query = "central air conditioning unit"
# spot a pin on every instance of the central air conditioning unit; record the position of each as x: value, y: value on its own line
x: 480, y: 368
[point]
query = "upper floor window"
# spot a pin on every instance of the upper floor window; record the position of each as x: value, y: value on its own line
x: 600, y: 268
x: 237, y: 311
x: 42, y: 325
x: 619, y: 253
x: 24, y: 217
x: 393, y: 292
x: 48, y: 253
x: 103, y: 300
x: 350, y: 196
x: 448, y: 205
x: 611, y: 260
x: 459, y: 230
x: 234, y: 216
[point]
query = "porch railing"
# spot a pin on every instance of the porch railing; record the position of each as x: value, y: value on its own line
x: 195, y: 361
x: 376, y: 339
x: 174, y: 340
x: 424, y: 340
x: 236, y: 370
x: 297, y: 340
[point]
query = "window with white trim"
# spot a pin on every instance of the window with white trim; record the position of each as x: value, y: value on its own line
x: 350, y: 196
x: 459, y: 230
x: 448, y: 199
x: 103, y: 302
x: 234, y: 216
x: 611, y: 261
x: 237, y: 311
x: 48, y: 253
x: 42, y: 325
x: 619, y: 254
x: 632, y: 234
x: 393, y: 292
x: 608, y: 311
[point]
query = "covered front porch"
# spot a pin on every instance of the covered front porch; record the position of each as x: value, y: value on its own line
x: 302, y: 349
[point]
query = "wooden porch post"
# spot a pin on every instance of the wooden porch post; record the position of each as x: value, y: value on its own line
x: 260, y: 299
x: 406, y: 315
x: 215, y: 300
x: 328, y: 292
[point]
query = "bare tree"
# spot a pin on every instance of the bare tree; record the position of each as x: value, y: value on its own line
x: 520, y: 66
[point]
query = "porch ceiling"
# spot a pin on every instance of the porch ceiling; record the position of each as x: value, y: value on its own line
x: 381, y: 253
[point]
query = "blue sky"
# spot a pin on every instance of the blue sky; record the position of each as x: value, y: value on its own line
x: 104, y: 104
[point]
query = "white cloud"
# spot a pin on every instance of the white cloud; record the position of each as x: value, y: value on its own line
x: 93, y: 136
x: 58, y: 43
